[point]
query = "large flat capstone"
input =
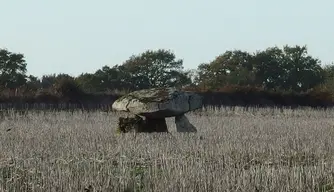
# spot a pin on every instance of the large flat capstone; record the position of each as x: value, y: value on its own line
x: 158, y: 102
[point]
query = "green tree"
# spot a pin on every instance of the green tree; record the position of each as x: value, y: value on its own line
x: 186, y: 78
x: 112, y: 78
x: 231, y: 68
x: 304, y: 71
x: 68, y: 89
x: 290, y: 68
x: 270, y: 70
x: 33, y: 83
x: 206, y: 78
x: 13, y: 68
x: 47, y: 81
x: 158, y: 68
x: 88, y: 82
x: 328, y: 73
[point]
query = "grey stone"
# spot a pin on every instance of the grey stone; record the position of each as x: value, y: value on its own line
x: 158, y: 102
x: 183, y: 124
x: 156, y: 105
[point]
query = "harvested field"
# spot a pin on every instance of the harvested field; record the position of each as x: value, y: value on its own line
x: 234, y: 150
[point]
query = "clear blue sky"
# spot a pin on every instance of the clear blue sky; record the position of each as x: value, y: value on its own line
x: 82, y: 36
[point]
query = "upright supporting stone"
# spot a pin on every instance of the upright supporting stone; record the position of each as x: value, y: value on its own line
x: 183, y: 124
x: 156, y: 125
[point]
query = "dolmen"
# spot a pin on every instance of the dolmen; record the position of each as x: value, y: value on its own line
x: 148, y: 109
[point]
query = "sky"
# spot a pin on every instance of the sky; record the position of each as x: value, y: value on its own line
x: 78, y: 36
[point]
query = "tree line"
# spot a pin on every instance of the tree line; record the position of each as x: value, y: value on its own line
x: 290, y: 68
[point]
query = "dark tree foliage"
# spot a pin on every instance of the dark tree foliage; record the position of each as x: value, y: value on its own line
x: 13, y: 68
x: 289, y: 68
x: 155, y: 69
x: 68, y: 89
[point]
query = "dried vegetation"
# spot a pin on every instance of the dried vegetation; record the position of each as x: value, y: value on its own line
x: 234, y: 150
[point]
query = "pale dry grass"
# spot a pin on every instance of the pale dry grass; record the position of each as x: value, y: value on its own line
x: 234, y: 150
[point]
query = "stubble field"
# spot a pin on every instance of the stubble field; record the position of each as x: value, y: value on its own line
x: 234, y: 150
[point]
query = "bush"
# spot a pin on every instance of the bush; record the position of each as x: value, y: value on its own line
x: 68, y: 90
